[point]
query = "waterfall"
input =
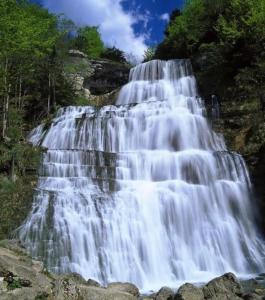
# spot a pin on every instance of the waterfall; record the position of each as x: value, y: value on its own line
x: 142, y: 191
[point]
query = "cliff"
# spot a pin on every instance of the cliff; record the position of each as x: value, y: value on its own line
x: 242, y: 123
x: 95, y: 81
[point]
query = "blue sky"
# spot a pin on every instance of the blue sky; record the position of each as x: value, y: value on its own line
x: 131, y: 25
x: 157, y: 12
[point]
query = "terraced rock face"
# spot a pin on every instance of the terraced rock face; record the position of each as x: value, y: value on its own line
x: 242, y: 123
x: 143, y: 191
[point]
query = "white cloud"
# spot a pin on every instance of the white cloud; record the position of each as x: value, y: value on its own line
x: 165, y: 17
x: 115, y: 25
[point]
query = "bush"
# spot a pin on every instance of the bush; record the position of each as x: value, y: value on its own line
x: 114, y: 54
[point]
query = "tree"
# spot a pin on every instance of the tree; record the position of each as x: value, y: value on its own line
x: 89, y: 41
x: 149, y: 54
x: 31, y: 74
x: 114, y: 54
x: 227, y: 35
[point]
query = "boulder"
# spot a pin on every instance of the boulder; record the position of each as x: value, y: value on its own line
x: 67, y: 287
x: 253, y: 296
x: 92, y: 282
x: 124, y: 287
x: 95, y: 293
x: 189, y: 292
x: 224, y: 287
x: 249, y: 286
x: 165, y: 293
x: 77, y: 81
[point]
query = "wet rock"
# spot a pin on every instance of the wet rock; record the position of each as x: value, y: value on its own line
x: 25, y: 282
x: 223, y: 287
x: 124, y: 287
x: 9, y: 279
x: 249, y: 285
x: 165, y: 293
x: 259, y: 278
x: 107, y: 76
x: 258, y: 293
x: 92, y: 282
x: 189, y: 292
x: 253, y: 297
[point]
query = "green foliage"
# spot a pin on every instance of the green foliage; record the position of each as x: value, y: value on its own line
x: 29, y: 60
x: 15, y: 202
x: 114, y: 54
x: 80, y: 101
x: 227, y: 35
x: 15, y: 284
x: 77, y: 65
x: 88, y: 40
x: 149, y: 54
x: 41, y: 296
x: 26, y: 29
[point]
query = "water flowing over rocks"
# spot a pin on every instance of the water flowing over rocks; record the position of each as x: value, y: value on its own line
x: 242, y: 123
x: 143, y: 191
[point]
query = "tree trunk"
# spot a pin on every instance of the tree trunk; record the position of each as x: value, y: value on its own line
x: 5, y: 101
x: 13, y: 173
x: 49, y: 95
x: 19, y: 92
x: 54, y: 92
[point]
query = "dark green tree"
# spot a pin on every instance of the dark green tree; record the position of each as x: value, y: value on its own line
x: 114, y: 54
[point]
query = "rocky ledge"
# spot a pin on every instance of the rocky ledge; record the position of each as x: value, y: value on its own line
x: 22, y: 278
x: 96, y: 81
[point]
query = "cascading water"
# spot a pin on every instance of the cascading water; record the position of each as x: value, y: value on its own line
x: 143, y: 191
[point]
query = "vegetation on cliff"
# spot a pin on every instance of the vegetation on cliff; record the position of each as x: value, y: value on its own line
x: 226, y: 35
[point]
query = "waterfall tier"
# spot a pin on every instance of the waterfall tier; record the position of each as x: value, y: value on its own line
x: 143, y: 191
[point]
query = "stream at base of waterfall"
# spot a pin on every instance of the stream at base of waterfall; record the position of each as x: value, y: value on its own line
x: 143, y: 191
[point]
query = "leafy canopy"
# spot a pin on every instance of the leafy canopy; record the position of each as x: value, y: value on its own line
x: 89, y: 41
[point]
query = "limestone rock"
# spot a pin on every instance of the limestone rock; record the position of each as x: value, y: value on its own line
x: 124, y: 287
x: 77, y: 81
x: 189, y: 292
x: 165, y: 293
x: 21, y: 277
x: 224, y: 287
x: 107, y: 76
x: 92, y: 282
x: 86, y: 93
x: 77, y: 53
x: 67, y: 287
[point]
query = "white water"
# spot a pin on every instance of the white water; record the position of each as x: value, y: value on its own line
x: 144, y: 191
